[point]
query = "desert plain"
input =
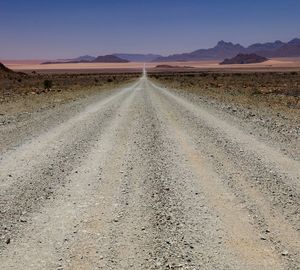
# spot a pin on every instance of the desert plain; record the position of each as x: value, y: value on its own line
x: 285, y: 64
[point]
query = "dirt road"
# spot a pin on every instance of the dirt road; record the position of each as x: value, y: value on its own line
x: 146, y: 178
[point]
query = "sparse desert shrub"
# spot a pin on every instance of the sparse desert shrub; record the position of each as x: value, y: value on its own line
x: 48, y: 84
x: 255, y: 91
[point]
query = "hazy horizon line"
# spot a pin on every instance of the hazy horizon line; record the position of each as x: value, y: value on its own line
x: 142, y: 53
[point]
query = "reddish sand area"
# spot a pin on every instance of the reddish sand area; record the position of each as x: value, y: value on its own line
x: 30, y: 65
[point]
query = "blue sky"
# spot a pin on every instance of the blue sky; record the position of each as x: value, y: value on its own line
x: 35, y: 29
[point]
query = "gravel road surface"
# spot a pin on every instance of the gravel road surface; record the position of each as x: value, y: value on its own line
x: 144, y: 177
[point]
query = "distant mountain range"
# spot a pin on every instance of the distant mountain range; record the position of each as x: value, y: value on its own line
x: 113, y: 58
x: 227, y: 50
x: 83, y: 58
x: 90, y: 59
x: 221, y: 51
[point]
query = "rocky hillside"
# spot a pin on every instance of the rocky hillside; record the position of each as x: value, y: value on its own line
x: 4, y: 69
x: 109, y: 59
x: 244, y: 59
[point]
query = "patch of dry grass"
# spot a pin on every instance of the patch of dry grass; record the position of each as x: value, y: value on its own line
x: 22, y: 92
x: 276, y: 90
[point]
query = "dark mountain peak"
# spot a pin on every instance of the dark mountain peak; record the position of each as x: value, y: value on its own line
x: 109, y: 59
x: 295, y: 41
x: 227, y: 45
x: 223, y: 43
x: 244, y: 59
x: 85, y: 58
x: 278, y: 42
x: 265, y: 49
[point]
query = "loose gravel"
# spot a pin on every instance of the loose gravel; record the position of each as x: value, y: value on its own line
x: 147, y: 178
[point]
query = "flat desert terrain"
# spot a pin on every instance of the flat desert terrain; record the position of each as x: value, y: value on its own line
x: 286, y: 64
x: 170, y: 170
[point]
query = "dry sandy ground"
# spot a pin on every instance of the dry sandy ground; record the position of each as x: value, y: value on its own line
x: 30, y: 65
x: 146, y: 178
